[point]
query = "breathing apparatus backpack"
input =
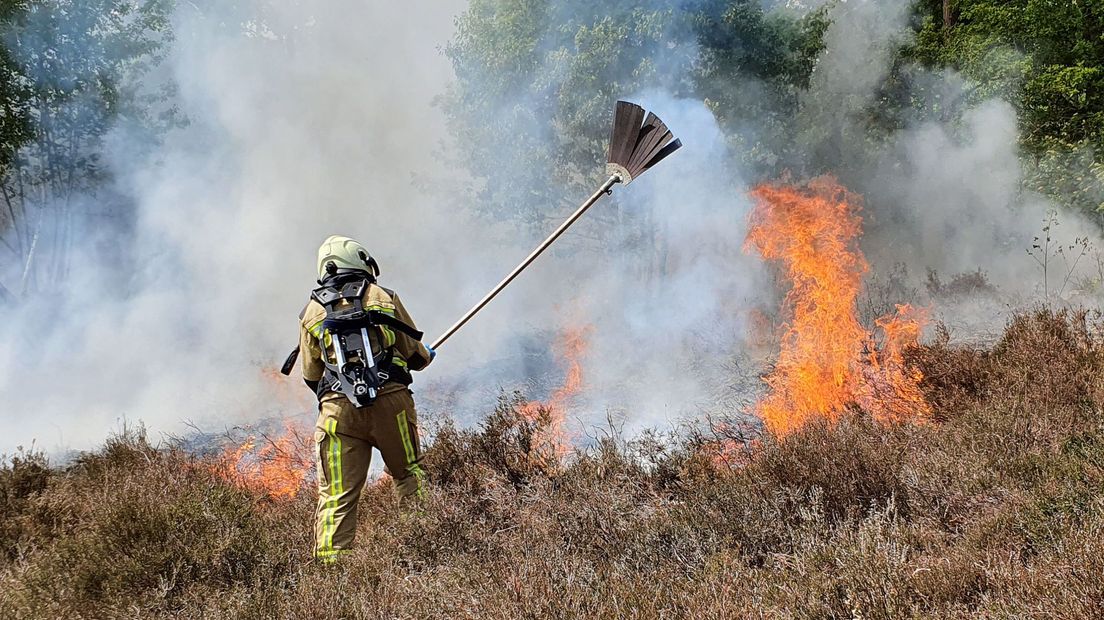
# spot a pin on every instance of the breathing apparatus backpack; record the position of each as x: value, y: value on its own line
x: 355, y: 371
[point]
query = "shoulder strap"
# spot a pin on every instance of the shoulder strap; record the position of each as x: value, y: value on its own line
x: 385, y: 319
x: 379, y: 318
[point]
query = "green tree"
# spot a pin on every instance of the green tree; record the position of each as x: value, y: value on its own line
x: 536, y: 82
x: 69, y: 73
x: 754, y: 65
x: 15, y: 122
x: 1047, y: 59
x: 537, y: 79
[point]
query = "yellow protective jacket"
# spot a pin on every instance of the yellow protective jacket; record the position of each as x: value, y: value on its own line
x: 314, y: 342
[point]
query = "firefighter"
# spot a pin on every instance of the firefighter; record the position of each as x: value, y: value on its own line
x: 360, y: 407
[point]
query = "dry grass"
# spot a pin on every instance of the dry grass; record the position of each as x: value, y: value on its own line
x: 995, y: 510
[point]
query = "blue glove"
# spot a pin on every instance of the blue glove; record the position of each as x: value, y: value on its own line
x: 432, y: 352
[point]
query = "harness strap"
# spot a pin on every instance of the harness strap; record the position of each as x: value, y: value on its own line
x: 381, y: 318
x: 372, y: 318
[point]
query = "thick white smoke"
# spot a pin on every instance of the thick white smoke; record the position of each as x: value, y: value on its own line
x: 307, y: 120
x: 945, y: 195
x: 314, y: 123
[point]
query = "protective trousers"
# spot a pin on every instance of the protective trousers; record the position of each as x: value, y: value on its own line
x: 345, y: 436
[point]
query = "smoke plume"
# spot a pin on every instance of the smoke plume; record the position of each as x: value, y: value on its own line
x: 306, y: 120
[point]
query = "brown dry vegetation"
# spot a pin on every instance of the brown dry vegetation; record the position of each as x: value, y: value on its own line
x: 995, y: 510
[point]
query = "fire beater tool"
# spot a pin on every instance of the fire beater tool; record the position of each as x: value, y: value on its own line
x: 636, y: 144
x: 638, y: 141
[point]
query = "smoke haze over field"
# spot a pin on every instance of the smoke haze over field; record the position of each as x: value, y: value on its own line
x: 942, y: 195
x: 296, y: 132
x: 318, y: 120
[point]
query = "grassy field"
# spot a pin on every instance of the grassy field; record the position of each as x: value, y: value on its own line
x: 993, y: 510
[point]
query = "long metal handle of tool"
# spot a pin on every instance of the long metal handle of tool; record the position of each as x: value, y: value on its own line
x: 606, y: 187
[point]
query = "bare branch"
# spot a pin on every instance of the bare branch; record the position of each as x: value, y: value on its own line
x: 6, y: 296
x: 30, y: 258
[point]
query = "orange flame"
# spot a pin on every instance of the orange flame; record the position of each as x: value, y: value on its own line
x: 828, y: 360
x: 551, y: 442
x: 278, y: 467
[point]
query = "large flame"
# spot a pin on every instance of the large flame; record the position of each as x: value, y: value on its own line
x: 828, y: 360
x: 551, y: 442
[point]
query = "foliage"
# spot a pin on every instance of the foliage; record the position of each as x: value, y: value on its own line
x: 536, y: 73
x: 547, y: 74
x: 68, y: 75
x: 533, y: 97
x: 540, y: 73
x: 15, y: 122
x: 754, y: 66
x: 1047, y: 59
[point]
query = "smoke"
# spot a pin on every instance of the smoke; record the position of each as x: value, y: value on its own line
x: 307, y: 120
x: 300, y: 126
x: 669, y: 334
x: 798, y: 6
x: 302, y: 122
x: 943, y: 195
x: 858, y: 51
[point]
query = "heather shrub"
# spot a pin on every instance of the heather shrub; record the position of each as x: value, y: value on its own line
x: 22, y: 478
x: 993, y: 509
x: 137, y: 526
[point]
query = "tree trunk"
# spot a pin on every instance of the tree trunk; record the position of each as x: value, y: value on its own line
x: 950, y: 15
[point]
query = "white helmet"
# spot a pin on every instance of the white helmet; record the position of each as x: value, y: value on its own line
x: 339, y: 253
